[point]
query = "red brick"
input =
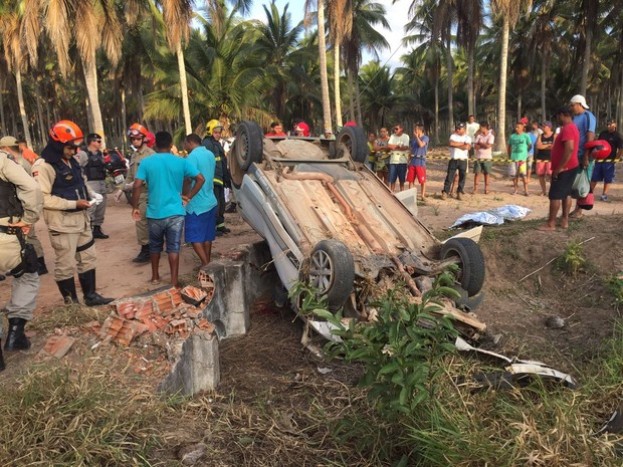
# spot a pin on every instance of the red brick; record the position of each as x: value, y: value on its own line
x: 205, y: 325
x: 127, y: 309
x: 176, y: 298
x: 58, y: 346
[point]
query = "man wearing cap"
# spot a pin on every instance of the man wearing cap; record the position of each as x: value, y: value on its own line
x: 139, y: 140
x: 459, y: 144
x: 564, y: 167
x: 66, y: 198
x: 586, y: 123
x: 14, y: 149
x: 20, y: 207
x: 604, y: 169
x: 94, y: 169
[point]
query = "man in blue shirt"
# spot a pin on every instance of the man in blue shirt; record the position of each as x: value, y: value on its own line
x: 586, y: 123
x: 164, y: 174
x: 201, y: 210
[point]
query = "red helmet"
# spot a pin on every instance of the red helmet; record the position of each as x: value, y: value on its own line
x: 66, y: 132
x: 599, y: 148
x: 136, y: 129
x: 150, y: 139
x: 303, y: 128
x: 587, y: 202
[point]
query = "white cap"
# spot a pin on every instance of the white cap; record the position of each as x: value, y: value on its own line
x: 579, y: 99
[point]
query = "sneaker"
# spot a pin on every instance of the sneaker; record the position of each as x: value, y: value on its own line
x: 604, y: 197
x: 444, y: 195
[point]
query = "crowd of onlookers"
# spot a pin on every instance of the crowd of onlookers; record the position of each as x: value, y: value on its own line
x: 555, y: 152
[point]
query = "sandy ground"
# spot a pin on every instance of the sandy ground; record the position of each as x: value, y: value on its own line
x: 118, y: 276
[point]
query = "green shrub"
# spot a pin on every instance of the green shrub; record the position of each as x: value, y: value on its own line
x: 572, y: 260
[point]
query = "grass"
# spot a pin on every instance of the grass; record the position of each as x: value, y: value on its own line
x: 572, y: 261
x: 56, y: 416
x: 69, y: 316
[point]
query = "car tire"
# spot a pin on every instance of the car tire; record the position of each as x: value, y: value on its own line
x: 332, y: 272
x: 471, y: 274
x: 466, y: 303
x: 354, y: 138
x: 249, y: 145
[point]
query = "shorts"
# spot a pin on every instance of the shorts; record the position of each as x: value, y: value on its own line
x: 560, y: 187
x: 603, y: 172
x: 201, y: 228
x: 169, y: 229
x: 418, y: 171
x: 397, y: 172
x: 483, y: 166
x: 520, y: 168
x: 543, y: 168
x: 380, y: 165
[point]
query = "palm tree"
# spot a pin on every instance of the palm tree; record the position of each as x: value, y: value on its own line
x: 340, y: 28
x: 509, y: 12
x: 377, y: 95
x: 278, y: 43
x: 322, y: 58
x: 367, y: 17
x: 469, y: 14
x: 17, y: 22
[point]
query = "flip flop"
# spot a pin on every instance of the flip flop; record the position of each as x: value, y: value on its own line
x: 154, y: 281
x: 545, y: 228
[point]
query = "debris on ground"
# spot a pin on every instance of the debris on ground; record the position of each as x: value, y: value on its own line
x: 165, y: 311
x: 57, y: 346
x: 517, y: 371
x: 496, y: 216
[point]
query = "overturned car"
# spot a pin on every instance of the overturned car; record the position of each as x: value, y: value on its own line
x: 329, y: 221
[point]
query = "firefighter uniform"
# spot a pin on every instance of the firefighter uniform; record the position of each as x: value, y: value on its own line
x: 142, y: 232
x: 221, y: 179
x: 63, y: 185
x: 20, y: 199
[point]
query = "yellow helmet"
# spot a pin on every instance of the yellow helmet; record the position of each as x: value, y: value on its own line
x: 212, y: 124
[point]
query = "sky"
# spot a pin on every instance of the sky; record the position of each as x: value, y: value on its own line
x: 397, y: 16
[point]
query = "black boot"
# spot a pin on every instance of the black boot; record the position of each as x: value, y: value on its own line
x: 143, y: 255
x: 2, y: 366
x: 68, y: 290
x: 15, y: 338
x: 91, y: 297
x: 97, y: 232
x: 42, y: 267
x: 231, y: 208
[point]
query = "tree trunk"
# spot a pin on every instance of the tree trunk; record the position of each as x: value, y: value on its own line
x: 2, y: 119
x: 324, y: 79
x: 184, y: 89
x: 586, y: 61
x: 358, y: 101
x: 620, y: 104
x: 500, y: 139
x: 22, y: 107
x: 436, y: 133
x: 42, y: 127
x: 336, y: 85
x: 90, y: 77
x: 450, y: 79
x: 519, y: 105
x: 124, y: 119
x: 543, y: 86
x: 471, y: 102
x: 351, y: 95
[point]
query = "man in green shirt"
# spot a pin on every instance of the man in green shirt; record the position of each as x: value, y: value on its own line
x: 519, y: 144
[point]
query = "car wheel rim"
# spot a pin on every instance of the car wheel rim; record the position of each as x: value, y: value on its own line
x: 321, y: 271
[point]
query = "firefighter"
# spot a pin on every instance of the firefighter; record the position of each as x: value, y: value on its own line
x: 20, y: 207
x: 212, y: 143
x: 139, y: 138
x: 20, y: 153
x: 66, y: 199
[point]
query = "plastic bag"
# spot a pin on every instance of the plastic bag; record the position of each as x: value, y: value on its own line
x: 581, y: 185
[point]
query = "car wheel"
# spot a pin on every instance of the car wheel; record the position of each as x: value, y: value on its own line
x: 467, y: 303
x: 354, y: 138
x: 471, y: 273
x: 332, y: 272
x: 248, y: 144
